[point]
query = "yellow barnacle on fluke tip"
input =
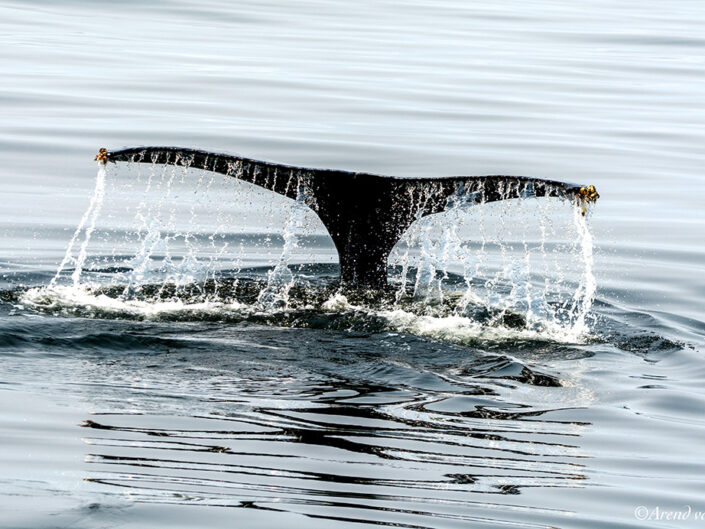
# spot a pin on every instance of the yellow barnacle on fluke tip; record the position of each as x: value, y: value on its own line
x: 102, y: 156
x: 586, y: 195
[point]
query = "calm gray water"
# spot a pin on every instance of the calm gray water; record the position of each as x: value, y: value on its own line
x: 140, y: 397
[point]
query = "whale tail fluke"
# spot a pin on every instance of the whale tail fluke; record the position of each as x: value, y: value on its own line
x: 365, y: 214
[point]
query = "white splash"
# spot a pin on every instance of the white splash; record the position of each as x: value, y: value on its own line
x: 80, y: 299
x: 337, y: 303
x: 88, y: 222
x: 461, y: 330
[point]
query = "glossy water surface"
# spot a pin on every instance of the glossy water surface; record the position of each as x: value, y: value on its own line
x: 127, y: 402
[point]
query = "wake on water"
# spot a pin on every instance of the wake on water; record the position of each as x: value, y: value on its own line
x: 513, y: 270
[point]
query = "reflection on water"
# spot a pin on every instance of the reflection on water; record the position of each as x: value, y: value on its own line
x: 328, y: 446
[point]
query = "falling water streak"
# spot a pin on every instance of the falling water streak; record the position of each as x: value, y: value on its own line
x: 407, y: 239
x: 167, y: 264
x: 88, y: 220
x: 212, y: 265
x: 280, y: 279
x: 480, y: 256
x: 423, y: 237
x: 425, y: 269
x: 502, y: 274
x: 269, y: 213
x: 216, y: 252
x: 531, y: 297
x: 190, y: 265
x: 449, y: 249
x: 561, y: 281
x: 152, y: 238
x: 142, y: 213
x: 527, y: 272
x: 235, y: 171
x: 508, y: 263
x: 238, y: 261
x: 146, y: 219
x: 585, y: 294
x: 544, y: 220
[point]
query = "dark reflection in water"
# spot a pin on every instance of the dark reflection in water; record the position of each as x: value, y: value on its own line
x: 398, y: 444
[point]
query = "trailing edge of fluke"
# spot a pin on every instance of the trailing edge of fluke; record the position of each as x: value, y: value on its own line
x: 365, y: 214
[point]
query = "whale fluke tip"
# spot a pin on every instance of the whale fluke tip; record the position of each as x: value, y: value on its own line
x: 585, y: 196
x: 102, y: 156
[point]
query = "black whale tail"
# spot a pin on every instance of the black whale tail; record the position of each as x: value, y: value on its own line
x: 365, y: 214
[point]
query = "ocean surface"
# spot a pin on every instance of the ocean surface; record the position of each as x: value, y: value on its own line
x: 175, y: 347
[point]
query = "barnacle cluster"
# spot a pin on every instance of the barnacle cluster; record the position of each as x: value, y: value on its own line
x: 585, y: 196
x: 102, y: 156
